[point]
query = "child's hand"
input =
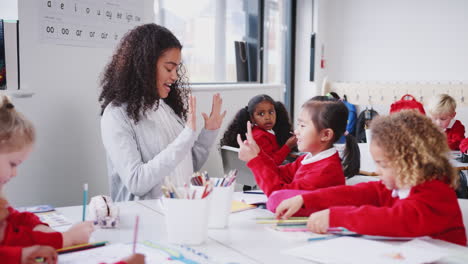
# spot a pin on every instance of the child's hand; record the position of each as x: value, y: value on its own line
x: 78, y: 234
x: 289, y: 207
x: 248, y: 149
x: 135, y: 259
x: 192, y: 113
x: 291, y: 142
x: 215, y: 119
x: 3, y: 209
x: 319, y: 222
x: 46, y: 253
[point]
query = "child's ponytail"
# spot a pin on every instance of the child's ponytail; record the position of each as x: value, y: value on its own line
x: 237, y: 126
x: 15, y: 130
x: 283, y: 125
x: 351, y: 157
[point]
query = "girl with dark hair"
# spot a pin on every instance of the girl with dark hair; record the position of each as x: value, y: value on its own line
x: 148, y: 120
x: 271, y: 127
x: 320, y: 124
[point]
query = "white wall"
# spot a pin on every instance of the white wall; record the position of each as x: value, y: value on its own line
x: 303, y: 87
x: 399, y: 40
x: 65, y: 111
x: 9, y: 9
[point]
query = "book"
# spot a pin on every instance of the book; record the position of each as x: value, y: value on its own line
x: 47, y: 214
x: 238, y: 206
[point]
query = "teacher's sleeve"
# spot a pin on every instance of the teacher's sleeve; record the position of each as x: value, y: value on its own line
x: 120, y: 143
x: 201, y: 149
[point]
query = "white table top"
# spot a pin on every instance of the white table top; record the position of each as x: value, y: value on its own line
x: 244, y: 241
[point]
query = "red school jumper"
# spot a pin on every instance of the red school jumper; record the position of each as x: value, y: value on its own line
x: 19, y: 234
x: 455, y: 135
x: 268, y: 144
x: 464, y: 145
x: 368, y: 208
x: 320, y: 174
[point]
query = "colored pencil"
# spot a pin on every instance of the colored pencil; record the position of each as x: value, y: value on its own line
x: 81, y: 247
x: 282, y: 221
x: 135, y: 233
x: 85, y: 200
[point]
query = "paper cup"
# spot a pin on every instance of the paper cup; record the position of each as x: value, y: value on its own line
x: 220, y: 204
x: 187, y: 220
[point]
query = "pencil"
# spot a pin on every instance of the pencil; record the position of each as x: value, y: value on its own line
x: 85, y: 200
x: 81, y: 247
x: 282, y: 221
x: 135, y: 233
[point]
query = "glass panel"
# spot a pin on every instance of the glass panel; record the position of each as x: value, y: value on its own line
x: 205, y: 28
x: 276, y: 16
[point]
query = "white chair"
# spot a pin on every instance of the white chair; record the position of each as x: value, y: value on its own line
x: 230, y: 157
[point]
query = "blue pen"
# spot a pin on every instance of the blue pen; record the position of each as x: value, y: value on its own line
x: 320, y: 238
x: 85, y: 199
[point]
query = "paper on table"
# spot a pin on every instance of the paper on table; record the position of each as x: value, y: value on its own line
x: 154, y: 253
x: 362, y: 251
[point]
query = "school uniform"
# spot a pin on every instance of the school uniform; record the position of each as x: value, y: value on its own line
x: 266, y: 140
x: 464, y: 145
x: 19, y: 234
x: 308, y: 172
x: 455, y: 134
x: 430, y: 208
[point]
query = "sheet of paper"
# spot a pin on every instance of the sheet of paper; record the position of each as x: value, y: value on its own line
x: 154, y: 253
x: 358, y: 250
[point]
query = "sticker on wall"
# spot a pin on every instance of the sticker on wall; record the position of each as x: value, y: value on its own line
x: 87, y: 23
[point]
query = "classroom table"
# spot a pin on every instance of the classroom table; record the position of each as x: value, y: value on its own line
x: 244, y: 241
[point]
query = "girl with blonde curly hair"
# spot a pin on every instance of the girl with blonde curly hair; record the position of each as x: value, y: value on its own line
x: 415, y: 196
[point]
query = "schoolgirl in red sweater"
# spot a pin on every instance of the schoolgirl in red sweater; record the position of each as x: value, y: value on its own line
x: 415, y: 196
x: 23, y: 237
x: 321, y: 122
x: 271, y: 131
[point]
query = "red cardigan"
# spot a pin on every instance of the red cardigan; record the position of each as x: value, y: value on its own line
x: 19, y: 234
x: 320, y: 174
x: 455, y: 135
x: 268, y: 144
x: 369, y: 208
x: 464, y: 145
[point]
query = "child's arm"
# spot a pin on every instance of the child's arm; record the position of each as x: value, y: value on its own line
x: 424, y: 212
x: 26, y: 255
x: 456, y: 135
x: 464, y: 146
x: 78, y: 234
x: 271, y: 177
x: 359, y: 194
x: 265, y: 145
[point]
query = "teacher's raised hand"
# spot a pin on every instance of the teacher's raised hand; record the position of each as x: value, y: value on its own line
x: 215, y: 119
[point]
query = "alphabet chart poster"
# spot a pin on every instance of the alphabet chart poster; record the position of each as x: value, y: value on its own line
x: 88, y: 23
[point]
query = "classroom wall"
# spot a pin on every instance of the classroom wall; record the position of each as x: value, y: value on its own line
x: 65, y: 112
x: 399, y: 40
x: 9, y: 9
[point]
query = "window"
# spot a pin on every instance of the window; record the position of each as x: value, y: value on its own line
x: 207, y: 29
